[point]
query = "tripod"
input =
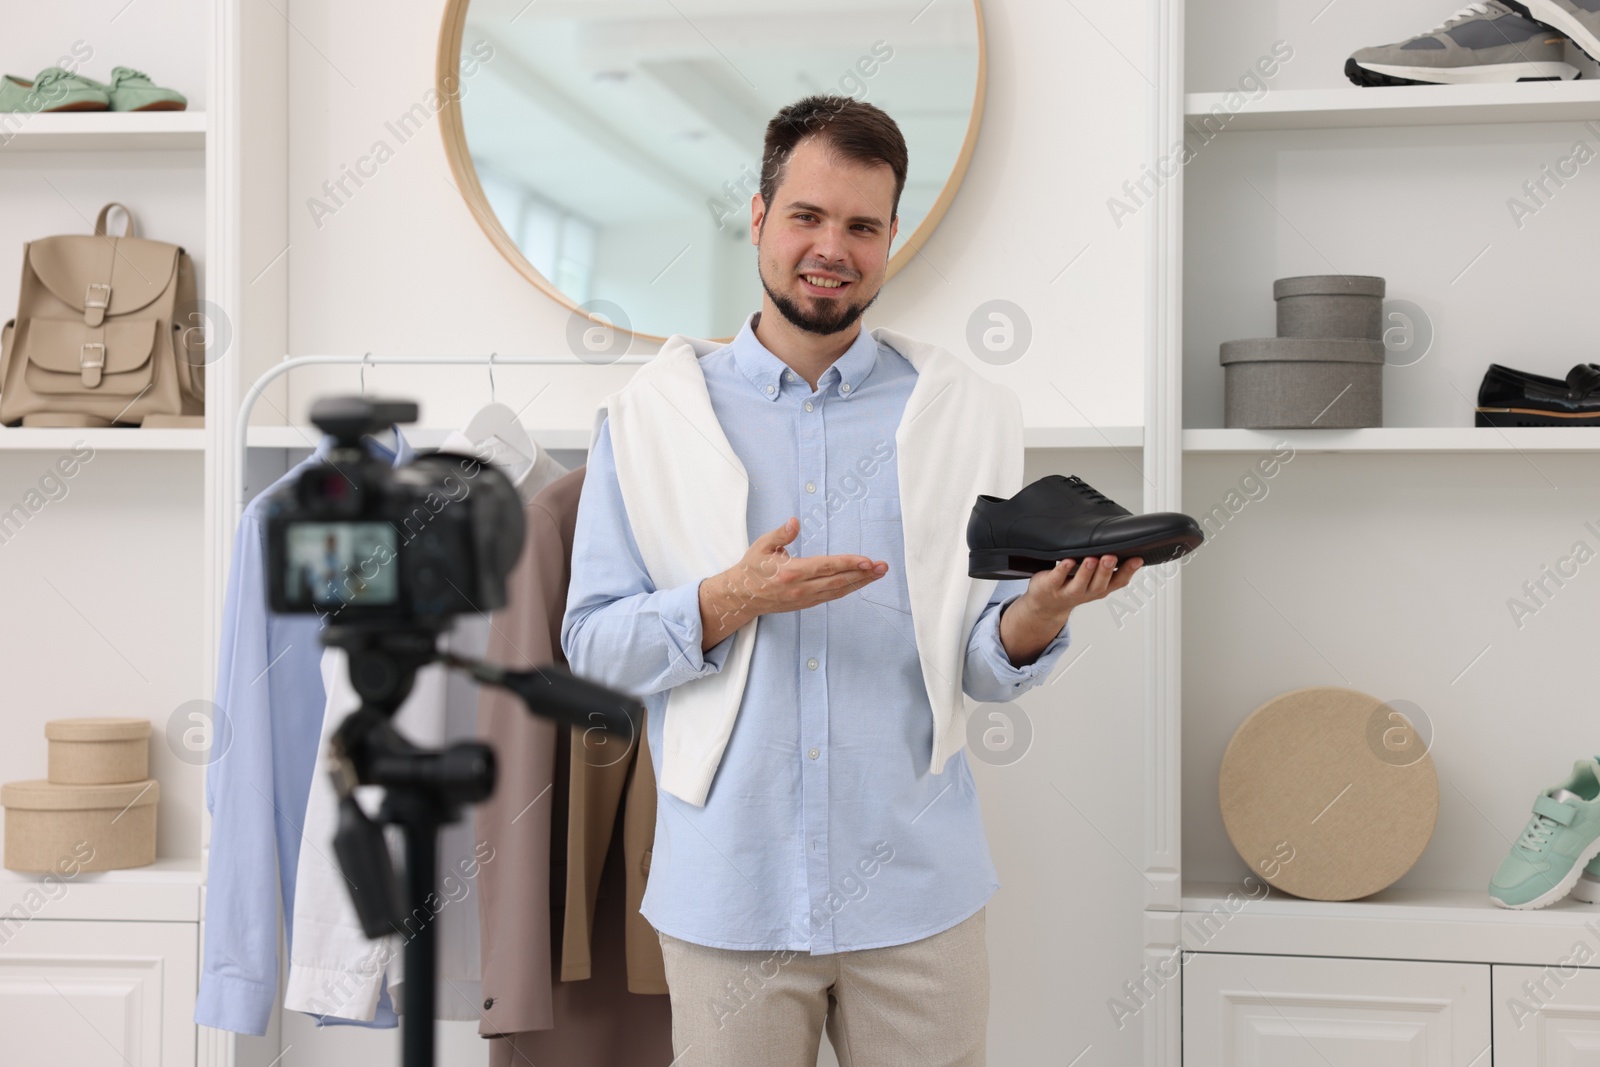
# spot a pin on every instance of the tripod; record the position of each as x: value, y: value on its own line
x: 425, y: 789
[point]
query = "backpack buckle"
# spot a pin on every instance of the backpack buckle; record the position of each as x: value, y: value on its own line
x: 92, y: 362
x: 96, y: 299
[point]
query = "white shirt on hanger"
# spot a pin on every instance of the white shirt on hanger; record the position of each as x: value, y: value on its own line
x: 334, y: 970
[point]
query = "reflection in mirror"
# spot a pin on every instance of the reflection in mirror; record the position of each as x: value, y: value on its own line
x: 617, y: 143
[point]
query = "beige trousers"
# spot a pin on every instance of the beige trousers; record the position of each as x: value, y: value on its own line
x: 925, y: 1003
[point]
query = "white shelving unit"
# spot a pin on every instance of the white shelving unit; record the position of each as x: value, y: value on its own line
x: 1446, y: 439
x: 1405, y: 105
x: 105, y: 131
x: 113, y: 439
x: 1370, y: 575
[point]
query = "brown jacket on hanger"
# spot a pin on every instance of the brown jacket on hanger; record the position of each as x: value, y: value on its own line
x: 532, y: 1015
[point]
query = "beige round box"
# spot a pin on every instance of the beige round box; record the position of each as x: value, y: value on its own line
x: 1328, y: 793
x: 98, y: 751
x: 98, y: 827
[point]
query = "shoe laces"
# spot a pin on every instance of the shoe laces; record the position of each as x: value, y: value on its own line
x: 1470, y: 13
x: 1538, y: 833
x: 1089, y: 491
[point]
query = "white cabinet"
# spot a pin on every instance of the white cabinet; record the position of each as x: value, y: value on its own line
x: 1546, y: 1016
x: 1290, y: 1011
x: 97, y: 994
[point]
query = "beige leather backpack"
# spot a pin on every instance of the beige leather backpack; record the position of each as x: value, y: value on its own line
x: 106, y: 333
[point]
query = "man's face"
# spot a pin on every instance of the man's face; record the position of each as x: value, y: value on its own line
x: 823, y: 243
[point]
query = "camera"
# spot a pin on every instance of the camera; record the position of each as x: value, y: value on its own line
x: 360, y: 542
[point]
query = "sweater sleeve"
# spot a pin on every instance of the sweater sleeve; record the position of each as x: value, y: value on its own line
x: 619, y: 630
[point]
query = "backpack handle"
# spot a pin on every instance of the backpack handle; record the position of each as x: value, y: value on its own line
x: 100, y: 223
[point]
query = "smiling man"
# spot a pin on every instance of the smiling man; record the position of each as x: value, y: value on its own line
x: 819, y: 860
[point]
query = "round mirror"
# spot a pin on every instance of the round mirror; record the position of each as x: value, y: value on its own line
x: 610, y: 148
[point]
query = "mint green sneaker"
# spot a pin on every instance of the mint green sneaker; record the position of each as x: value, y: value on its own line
x: 1588, y: 887
x: 130, y: 90
x: 52, y: 89
x: 1561, y: 838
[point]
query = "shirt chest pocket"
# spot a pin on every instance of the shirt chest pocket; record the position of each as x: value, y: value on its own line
x: 882, y: 536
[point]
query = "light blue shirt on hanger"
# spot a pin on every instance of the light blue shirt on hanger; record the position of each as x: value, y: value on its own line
x: 823, y: 830
x: 267, y: 727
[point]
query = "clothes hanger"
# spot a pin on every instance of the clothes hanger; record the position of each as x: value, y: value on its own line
x: 497, y: 435
x: 389, y: 439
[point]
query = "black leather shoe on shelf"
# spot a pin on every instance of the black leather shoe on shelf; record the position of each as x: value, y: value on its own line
x: 1510, y: 397
x: 1058, y: 518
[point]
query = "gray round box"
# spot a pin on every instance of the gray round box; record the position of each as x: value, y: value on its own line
x: 1330, y: 305
x: 1285, y: 383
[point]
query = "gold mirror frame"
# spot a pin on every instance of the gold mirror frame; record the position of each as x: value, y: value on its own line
x: 448, y: 80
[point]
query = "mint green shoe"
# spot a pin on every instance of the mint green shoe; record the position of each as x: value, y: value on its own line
x: 1588, y: 887
x: 130, y: 90
x: 1562, y: 837
x: 52, y: 89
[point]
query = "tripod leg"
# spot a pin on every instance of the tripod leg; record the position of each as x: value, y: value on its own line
x: 421, y: 951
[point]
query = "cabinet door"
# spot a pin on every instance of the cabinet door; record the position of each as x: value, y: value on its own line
x: 1548, y: 1016
x: 97, y: 994
x: 1296, y: 1011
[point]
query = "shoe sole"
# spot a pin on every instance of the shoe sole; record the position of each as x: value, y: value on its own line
x: 162, y: 105
x: 1586, y: 890
x: 1373, y: 74
x: 1507, y: 417
x: 1003, y: 564
x: 81, y: 105
x: 1551, y: 14
x: 1562, y: 888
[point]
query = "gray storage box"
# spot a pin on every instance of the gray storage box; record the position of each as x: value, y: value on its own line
x: 1330, y: 305
x: 1283, y: 383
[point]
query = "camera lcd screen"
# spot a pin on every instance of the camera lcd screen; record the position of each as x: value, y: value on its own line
x: 341, y: 563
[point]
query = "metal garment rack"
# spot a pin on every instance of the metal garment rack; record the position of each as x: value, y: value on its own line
x: 241, y: 446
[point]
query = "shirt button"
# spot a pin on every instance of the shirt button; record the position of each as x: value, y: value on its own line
x: 790, y: 376
x: 808, y: 405
x: 769, y: 388
x: 845, y: 388
x: 811, y: 487
x: 812, y: 663
x: 812, y: 753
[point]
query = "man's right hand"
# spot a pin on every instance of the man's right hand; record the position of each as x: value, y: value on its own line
x: 768, y: 579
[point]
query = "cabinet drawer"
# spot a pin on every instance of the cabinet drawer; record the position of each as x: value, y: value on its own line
x: 1548, y: 1016
x: 97, y: 994
x: 1297, y: 1011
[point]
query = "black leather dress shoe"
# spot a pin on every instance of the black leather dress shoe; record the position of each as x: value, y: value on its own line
x: 1058, y: 518
x: 1510, y: 397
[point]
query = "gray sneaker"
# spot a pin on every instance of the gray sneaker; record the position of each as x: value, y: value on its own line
x: 1578, y: 19
x: 1488, y: 42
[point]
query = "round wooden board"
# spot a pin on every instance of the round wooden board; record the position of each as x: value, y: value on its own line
x: 1328, y: 793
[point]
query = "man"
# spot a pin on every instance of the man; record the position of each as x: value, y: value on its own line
x: 819, y: 859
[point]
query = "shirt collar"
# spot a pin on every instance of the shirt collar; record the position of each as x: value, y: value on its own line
x: 766, y: 371
x: 399, y: 457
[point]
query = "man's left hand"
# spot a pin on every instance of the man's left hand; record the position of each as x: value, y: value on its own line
x: 1053, y: 593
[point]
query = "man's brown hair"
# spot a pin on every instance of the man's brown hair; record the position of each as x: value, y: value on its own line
x: 859, y: 132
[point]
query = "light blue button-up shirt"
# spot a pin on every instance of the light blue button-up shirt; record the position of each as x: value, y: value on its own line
x: 824, y: 830
x: 268, y: 726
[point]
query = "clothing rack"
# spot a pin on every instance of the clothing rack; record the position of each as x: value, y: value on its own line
x: 241, y: 445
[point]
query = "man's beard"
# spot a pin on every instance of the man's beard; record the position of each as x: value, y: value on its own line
x: 820, y: 322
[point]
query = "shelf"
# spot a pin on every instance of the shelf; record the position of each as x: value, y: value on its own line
x: 578, y: 440
x: 106, y: 439
x: 1394, y: 924
x: 1406, y: 105
x: 1398, y: 439
x: 167, y: 890
x: 103, y: 131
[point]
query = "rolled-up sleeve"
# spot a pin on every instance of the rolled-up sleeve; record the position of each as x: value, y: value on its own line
x: 990, y: 675
x: 618, y: 629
